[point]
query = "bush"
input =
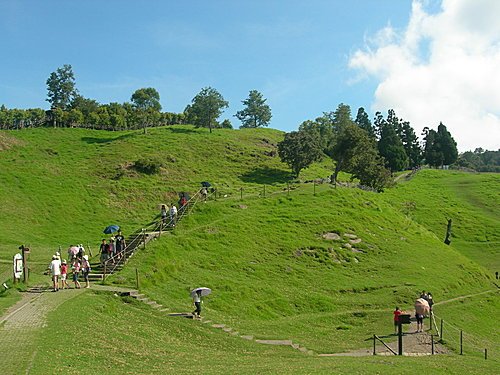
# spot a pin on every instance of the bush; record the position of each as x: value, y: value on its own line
x: 148, y: 166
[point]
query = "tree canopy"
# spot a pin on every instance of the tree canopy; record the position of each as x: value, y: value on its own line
x: 256, y: 112
x: 146, y: 101
x: 440, y: 147
x: 61, y: 87
x: 300, y: 149
x: 205, y: 108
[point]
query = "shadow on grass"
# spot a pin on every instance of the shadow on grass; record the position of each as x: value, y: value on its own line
x: 266, y: 175
x: 93, y: 140
x: 182, y: 130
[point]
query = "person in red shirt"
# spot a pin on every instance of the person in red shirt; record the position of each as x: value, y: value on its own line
x: 64, y: 273
x: 396, y: 313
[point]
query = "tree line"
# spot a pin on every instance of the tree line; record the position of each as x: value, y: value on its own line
x: 369, y: 151
x: 70, y: 109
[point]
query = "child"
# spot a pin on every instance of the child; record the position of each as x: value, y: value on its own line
x: 64, y: 273
x: 86, y: 270
x: 76, y: 271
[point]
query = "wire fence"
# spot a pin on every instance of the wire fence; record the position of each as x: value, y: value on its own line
x: 465, y: 343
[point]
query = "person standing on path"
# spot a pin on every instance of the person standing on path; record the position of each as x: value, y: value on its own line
x: 55, y: 272
x: 197, y: 304
x: 163, y: 215
x: 76, y: 271
x: 86, y: 270
x: 396, y: 313
x: 64, y: 275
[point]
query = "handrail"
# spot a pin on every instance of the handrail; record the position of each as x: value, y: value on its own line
x: 387, y: 346
x: 140, y: 236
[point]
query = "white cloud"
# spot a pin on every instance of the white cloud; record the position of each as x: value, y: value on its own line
x: 441, y: 67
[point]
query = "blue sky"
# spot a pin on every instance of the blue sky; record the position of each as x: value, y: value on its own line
x: 305, y: 57
x: 294, y: 52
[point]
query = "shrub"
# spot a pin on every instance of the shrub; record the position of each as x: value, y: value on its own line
x: 148, y: 165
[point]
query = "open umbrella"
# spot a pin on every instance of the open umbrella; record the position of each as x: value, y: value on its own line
x: 204, y: 291
x: 206, y: 184
x: 422, y: 307
x: 111, y: 229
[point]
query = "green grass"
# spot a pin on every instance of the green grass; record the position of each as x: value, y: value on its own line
x: 273, y: 274
x: 116, y: 336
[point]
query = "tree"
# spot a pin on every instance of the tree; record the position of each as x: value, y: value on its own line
x: 256, y: 112
x: 363, y: 121
x: 146, y: 102
x: 226, y: 124
x: 61, y: 87
x: 448, y: 145
x: 85, y: 106
x: 391, y: 148
x: 299, y: 150
x: 440, y: 147
x: 410, y: 144
x: 205, y: 108
x: 350, y: 145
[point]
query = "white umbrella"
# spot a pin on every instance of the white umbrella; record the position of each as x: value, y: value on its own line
x: 422, y: 306
x: 204, y: 291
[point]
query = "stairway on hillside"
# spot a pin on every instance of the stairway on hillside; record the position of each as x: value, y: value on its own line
x: 137, y: 240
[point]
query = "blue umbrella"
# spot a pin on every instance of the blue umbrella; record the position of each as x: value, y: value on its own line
x: 111, y: 229
x: 206, y: 184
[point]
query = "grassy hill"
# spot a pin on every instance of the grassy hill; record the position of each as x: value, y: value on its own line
x: 273, y: 272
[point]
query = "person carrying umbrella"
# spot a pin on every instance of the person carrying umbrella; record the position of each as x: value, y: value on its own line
x: 197, y: 294
x: 197, y: 304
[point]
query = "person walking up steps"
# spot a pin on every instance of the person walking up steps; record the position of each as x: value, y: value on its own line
x: 173, y: 215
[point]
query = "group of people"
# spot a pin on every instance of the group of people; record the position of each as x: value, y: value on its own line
x: 113, y: 249
x: 420, y: 312
x: 59, y: 270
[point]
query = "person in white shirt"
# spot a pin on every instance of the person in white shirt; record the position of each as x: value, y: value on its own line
x: 55, y: 271
x: 173, y: 215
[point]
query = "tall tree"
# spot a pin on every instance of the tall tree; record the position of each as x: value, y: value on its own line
x: 363, y: 121
x: 146, y: 101
x: 299, y: 150
x: 256, y: 112
x: 448, y: 145
x: 411, y: 144
x: 391, y: 148
x: 205, y: 108
x: 61, y: 87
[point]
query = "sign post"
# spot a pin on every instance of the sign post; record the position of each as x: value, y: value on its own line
x: 402, y: 319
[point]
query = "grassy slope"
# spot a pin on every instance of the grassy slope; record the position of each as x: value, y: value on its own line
x: 273, y: 274
x: 472, y: 201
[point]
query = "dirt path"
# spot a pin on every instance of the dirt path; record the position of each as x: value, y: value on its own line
x: 19, y: 327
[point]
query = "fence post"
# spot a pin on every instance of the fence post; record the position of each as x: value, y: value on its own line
x: 430, y: 319
x: 136, y: 279
x: 144, y: 237
x: 241, y: 193
x: 374, y: 342
x: 461, y: 343
x: 441, y: 333
x: 288, y: 188
x: 485, y: 353
x: 104, y: 276
x: 432, y: 344
x: 314, y: 188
